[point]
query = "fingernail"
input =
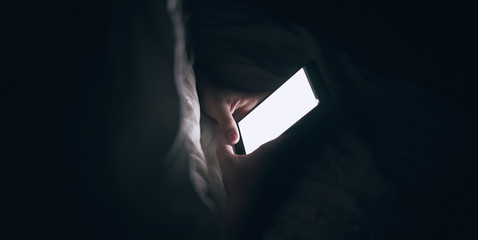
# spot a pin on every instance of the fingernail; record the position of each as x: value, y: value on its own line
x: 231, y: 136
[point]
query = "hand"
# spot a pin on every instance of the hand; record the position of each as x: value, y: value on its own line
x: 226, y: 106
x: 241, y: 174
x: 245, y: 182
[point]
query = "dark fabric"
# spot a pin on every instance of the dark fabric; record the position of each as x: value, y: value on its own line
x: 235, y: 45
x: 421, y: 148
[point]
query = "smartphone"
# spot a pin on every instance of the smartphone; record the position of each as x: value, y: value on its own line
x: 282, y: 109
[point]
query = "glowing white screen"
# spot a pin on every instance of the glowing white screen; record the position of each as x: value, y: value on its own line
x: 287, y: 105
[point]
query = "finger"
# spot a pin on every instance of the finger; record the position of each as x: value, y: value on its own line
x: 226, y: 122
x: 246, y: 106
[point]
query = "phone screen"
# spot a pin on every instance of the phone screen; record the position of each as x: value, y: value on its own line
x: 277, y: 113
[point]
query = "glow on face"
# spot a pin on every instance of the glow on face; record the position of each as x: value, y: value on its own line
x: 287, y: 105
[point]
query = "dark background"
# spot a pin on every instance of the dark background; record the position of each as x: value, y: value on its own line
x: 430, y: 43
x: 52, y: 47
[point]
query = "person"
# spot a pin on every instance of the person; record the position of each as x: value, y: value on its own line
x: 380, y: 145
x: 244, y: 176
x: 258, y: 179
